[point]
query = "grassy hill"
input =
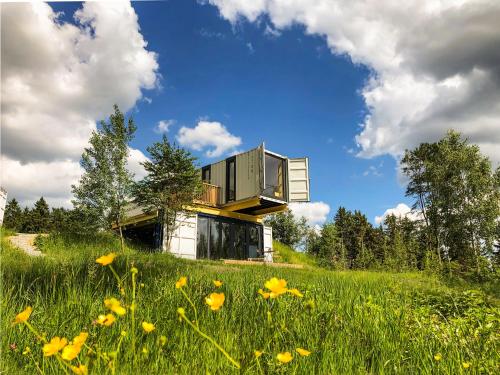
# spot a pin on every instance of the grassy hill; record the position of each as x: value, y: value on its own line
x: 351, y: 322
x: 285, y: 254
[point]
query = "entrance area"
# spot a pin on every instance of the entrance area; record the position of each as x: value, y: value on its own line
x: 228, y: 239
x: 147, y: 237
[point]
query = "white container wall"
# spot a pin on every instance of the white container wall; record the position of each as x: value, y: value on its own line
x: 183, y: 242
x: 298, y: 180
x: 268, y: 244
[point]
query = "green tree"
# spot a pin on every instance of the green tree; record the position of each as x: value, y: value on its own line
x: 172, y: 182
x: 13, y: 215
x: 458, y: 194
x: 287, y: 228
x: 105, y: 186
x: 40, y: 217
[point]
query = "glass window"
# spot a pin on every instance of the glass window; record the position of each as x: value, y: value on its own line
x: 240, y: 241
x: 254, y: 242
x: 202, y: 240
x: 274, y: 177
x: 205, y: 174
x: 215, y: 246
x: 231, y: 179
x: 225, y: 240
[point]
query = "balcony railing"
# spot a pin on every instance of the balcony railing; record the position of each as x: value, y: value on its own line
x: 210, y: 195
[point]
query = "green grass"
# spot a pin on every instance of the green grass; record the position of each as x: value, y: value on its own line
x: 357, y: 322
x: 286, y: 254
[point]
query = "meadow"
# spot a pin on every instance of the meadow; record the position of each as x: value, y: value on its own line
x: 351, y: 322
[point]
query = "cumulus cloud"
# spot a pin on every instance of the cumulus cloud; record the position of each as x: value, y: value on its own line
x: 134, y: 160
x: 163, y: 126
x: 435, y: 65
x: 211, y: 136
x: 314, y: 212
x: 58, y: 79
x: 401, y: 211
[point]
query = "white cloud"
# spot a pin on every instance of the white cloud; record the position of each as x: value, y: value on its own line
x: 435, y: 64
x: 134, y: 160
x: 401, y: 211
x: 314, y: 212
x: 58, y: 79
x: 163, y: 126
x: 272, y: 32
x: 251, y: 50
x: 208, y: 134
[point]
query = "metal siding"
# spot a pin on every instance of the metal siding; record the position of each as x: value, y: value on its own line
x: 268, y: 244
x: 183, y: 242
x: 248, y: 173
x: 218, y: 177
x: 298, y: 180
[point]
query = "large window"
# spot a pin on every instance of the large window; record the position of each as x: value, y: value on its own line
x: 205, y: 174
x: 228, y: 239
x: 274, y: 177
x: 231, y: 179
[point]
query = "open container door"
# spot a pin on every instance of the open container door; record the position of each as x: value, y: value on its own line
x: 298, y: 180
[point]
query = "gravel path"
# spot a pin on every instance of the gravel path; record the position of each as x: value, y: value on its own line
x: 24, y: 241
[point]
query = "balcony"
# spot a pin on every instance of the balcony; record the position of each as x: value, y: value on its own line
x: 210, y: 195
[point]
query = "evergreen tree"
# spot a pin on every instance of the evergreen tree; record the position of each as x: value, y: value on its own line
x: 13, y: 216
x: 40, y: 217
x: 172, y: 182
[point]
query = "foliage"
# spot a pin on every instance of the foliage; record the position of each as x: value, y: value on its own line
x: 13, y: 215
x: 350, y: 322
x: 458, y: 194
x: 172, y: 182
x: 287, y: 229
x: 105, y: 186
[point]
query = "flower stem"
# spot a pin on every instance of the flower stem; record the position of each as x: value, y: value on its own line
x: 116, y: 276
x: 193, y: 306
x: 132, y: 316
x: 212, y: 341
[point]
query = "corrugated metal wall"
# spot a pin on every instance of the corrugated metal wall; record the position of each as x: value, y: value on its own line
x: 218, y: 177
x: 248, y: 174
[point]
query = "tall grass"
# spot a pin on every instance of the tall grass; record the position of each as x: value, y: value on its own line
x: 352, y: 322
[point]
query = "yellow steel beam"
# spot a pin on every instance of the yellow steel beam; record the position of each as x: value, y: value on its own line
x: 137, y: 219
x: 220, y: 212
x: 241, y: 205
x: 270, y: 210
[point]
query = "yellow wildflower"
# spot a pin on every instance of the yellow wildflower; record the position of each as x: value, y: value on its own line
x: 284, y: 357
x: 277, y: 287
x: 217, y: 283
x: 80, y: 339
x: 80, y: 370
x: 163, y: 340
x: 295, y: 292
x: 114, y: 305
x: 23, y: 316
x: 303, y: 352
x: 257, y: 353
x: 466, y: 364
x: 181, y: 282
x: 134, y: 270
x: 264, y: 294
x: 71, y: 351
x: 106, y: 259
x: 181, y: 311
x: 148, y: 327
x: 54, y: 346
x: 438, y: 357
x: 145, y: 350
x: 215, y: 301
x: 106, y: 320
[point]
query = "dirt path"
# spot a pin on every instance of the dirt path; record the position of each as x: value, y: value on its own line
x: 25, y: 242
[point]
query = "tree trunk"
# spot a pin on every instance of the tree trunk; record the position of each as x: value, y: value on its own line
x: 122, y: 246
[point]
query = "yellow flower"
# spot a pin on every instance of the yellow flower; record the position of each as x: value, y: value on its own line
x: 106, y: 320
x: 466, y: 364
x: 148, y: 327
x: 284, y: 357
x: 257, y: 353
x: 80, y: 339
x: 264, y: 294
x: 217, y: 283
x: 295, y: 292
x: 134, y: 270
x: 303, y: 352
x: 114, y: 305
x: 163, y: 340
x: 54, y: 346
x: 181, y: 311
x: 106, y: 259
x: 80, y: 370
x: 181, y: 282
x: 215, y: 300
x: 277, y: 287
x: 145, y: 350
x: 438, y: 357
x: 71, y: 351
x: 23, y: 316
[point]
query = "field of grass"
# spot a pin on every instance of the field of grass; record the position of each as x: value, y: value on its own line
x: 351, y: 322
x: 286, y: 254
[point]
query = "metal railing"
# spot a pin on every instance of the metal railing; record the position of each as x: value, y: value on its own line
x: 210, y: 195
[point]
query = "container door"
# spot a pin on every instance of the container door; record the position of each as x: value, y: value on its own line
x: 298, y: 180
x: 268, y: 244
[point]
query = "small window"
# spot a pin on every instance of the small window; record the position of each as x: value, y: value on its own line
x: 231, y: 179
x: 205, y: 174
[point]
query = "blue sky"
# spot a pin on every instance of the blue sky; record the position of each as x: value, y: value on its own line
x: 288, y: 91
x: 350, y: 85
